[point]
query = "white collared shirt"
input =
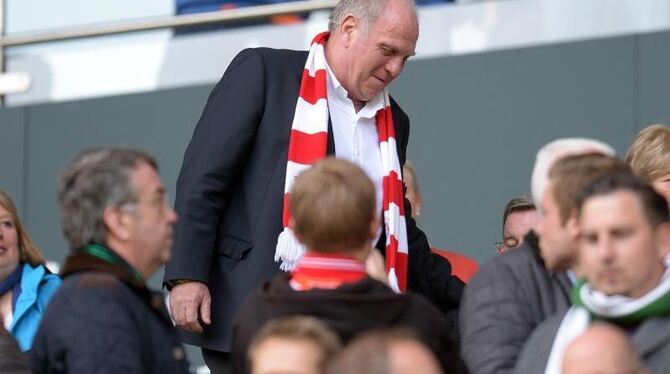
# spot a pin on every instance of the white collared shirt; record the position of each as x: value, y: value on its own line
x: 355, y: 134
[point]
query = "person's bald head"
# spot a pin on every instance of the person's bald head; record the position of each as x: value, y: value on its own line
x: 393, y: 351
x: 411, y: 356
x: 610, y: 345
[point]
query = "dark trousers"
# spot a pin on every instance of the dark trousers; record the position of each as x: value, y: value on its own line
x: 217, y: 362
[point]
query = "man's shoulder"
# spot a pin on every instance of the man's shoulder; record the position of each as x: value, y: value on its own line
x: 518, y: 274
x: 272, y: 56
x: 90, y: 289
x: 548, y: 328
x: 285, y: 53
x: 514, y: 264
x: 653, y: 332
x: 535, y: 353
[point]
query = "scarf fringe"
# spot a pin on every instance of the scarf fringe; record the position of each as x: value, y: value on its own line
x: 289, y: 250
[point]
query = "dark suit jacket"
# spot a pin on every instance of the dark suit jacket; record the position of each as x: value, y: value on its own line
x: 231, y: 186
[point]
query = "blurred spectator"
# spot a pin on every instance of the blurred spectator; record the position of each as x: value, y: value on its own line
x: 118, y: 223
x: 330, y: 281
x: 198, y: 6
x: 12, y: 361
x: 512, y: 294
x: 602, y: 348
x: 462, y: 266
x: 394, y: 351
x: 296, y: 345
x: 519, y: 218
x: 624, y: 236
x: 26, y: 286
x: 649, y: 157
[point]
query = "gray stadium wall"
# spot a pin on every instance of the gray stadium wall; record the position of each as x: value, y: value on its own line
x: 477, y: 121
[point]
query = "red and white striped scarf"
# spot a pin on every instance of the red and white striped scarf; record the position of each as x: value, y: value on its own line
x: 308, y: 144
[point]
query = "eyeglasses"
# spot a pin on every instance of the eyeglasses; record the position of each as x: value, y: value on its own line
x: 159, y: 203
x: 510, y: 243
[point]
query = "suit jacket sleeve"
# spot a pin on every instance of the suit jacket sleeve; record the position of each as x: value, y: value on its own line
x: 212, y: 161
x: 428, y: 273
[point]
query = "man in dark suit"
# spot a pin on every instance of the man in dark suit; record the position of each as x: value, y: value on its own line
x: 230, y: 192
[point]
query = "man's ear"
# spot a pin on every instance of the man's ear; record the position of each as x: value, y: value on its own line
x: 348, y: 28
x: 116, y: 222
x: 573, y: 232
x: 663, y: 239
x: 572, y: 226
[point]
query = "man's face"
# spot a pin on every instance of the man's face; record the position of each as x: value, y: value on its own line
x: 517, y: 225
x: 376, y: 57
x: 286, y: 356
x: 662, y: 186
x: 558, y: 242
x: 151, y: 233
x: 620, y: 251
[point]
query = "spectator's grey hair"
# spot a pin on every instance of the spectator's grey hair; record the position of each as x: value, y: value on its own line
x: 94, y: 180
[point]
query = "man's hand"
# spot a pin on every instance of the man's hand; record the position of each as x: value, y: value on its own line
x: 187, y: 301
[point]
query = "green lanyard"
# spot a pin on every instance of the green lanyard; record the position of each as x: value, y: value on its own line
x: 107, y: 255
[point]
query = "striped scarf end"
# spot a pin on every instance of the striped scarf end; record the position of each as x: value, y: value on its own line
x: 289, y: 250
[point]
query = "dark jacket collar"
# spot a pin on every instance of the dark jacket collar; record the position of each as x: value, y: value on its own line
x: 533, y: 240
x: 81, y: 261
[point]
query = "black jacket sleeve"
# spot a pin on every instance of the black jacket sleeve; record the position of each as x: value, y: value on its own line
x: 212, y: 161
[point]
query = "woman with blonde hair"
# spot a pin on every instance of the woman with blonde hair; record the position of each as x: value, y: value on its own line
x: 26, y: 286
x: 649, y: 157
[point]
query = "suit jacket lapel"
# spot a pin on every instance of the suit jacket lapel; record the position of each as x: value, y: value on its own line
x: 651, y: 335
x: 330, y: 149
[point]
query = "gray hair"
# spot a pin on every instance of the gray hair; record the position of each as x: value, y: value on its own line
x: 94, y: 180
x: 556, y: 150
x: 367, y: 11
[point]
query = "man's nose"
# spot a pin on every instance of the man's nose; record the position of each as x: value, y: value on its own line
x: 394, y: 66
x: 605, y: 251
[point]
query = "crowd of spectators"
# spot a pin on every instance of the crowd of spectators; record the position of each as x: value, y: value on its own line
x: 198, y: 6
x: 517, y: 314
x: 581, y: 283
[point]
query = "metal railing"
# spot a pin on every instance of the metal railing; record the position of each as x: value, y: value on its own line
x: 222, y: 16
